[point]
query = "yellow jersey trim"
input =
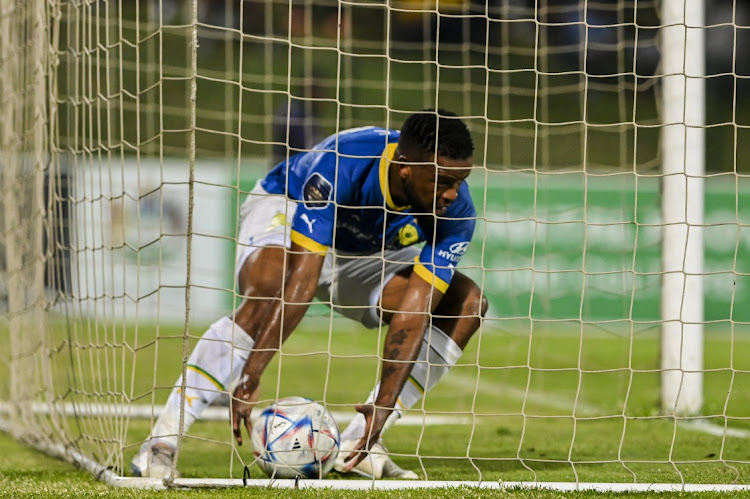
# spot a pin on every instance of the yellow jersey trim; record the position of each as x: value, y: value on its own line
x: 308, y: 243
x: 428, y: 276
x: 385, y: 162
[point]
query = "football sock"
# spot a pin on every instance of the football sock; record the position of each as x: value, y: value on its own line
x: 439, y: 353
x: 215, y: 363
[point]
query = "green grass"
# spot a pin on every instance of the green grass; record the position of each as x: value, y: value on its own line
x: 27, y: 473
x: 562, y: 403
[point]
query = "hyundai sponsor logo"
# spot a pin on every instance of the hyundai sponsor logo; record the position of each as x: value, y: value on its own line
x: 459, y: 248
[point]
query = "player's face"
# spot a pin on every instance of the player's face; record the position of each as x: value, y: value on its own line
x: 433, y: 185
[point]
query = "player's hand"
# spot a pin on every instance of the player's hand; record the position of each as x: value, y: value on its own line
x: 243, y: 399
x: 375, y: 418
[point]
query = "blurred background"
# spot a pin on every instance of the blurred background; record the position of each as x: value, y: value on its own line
x: 546, y: 84
x: 562, y: 97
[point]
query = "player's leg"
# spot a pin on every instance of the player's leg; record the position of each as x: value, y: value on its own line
x: 217, y: 360
x: 454, y: 321
x: 459, y: 313
x: 364, y: 288
x: 461, y: 310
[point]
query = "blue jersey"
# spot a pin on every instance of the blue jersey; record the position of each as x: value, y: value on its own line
x: 351, y: 169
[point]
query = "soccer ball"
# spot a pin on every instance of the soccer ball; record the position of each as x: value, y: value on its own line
x: 295, y: 437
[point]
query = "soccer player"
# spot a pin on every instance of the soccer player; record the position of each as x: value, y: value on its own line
x: 342, y: 222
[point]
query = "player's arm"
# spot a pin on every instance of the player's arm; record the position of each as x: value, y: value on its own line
x: 404, y: 338
x: 301, y: 280
x: 312, y: 231
x: 402, y: 344
x: 429, y: 281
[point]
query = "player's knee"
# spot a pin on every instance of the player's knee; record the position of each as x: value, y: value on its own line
x: 473, y: 311
x: 475, y: 304
x: 261, y: 274
x: 484, y: 306
x: 464, y: 300
x: 472, y: 306
x: 263, y: 286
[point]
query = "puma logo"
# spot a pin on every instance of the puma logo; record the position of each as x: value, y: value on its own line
x: 309, y: 222
x: 188, y: 397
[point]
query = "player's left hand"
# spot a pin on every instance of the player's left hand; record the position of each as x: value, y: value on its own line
x: 375, y: 418
x: 243, y: 399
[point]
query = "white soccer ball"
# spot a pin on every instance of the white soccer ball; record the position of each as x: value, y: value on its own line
x: 295, y: 437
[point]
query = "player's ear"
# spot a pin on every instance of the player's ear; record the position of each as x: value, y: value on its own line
x: 404, y: 169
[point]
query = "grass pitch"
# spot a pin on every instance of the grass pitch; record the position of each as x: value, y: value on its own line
x: 552, y: 404
x: 25, y: 473
x: 533, y: 402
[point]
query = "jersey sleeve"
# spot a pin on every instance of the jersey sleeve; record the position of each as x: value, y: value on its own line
x: 314, y: 219
x: 442, y: 253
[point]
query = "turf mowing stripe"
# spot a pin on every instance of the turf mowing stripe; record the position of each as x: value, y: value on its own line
x: 545, y: 399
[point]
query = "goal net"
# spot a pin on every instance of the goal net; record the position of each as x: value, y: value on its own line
x: 612, y: 241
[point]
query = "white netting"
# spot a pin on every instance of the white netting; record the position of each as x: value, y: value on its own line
x: 126, y: 150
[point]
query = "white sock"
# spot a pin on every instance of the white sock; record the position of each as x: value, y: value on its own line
x: 216, y: 361
x: 439, y: 353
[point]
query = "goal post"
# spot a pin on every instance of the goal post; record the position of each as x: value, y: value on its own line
x: 683, y: 157
x: 24, y: 174
x: 615, y: 258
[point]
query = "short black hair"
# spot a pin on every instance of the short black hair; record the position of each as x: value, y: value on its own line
x: 453, y: 137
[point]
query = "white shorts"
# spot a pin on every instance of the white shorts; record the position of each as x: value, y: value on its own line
x: 350, y: 283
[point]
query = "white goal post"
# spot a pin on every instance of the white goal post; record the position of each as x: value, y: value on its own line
x: 612, y: 237
x: 683, y: 146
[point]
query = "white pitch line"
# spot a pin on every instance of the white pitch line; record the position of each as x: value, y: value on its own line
x: 454, y: 487
x: 714, y: 429
x: 145, y: 411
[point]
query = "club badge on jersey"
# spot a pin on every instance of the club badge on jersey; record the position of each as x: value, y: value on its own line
x: 317, y: 192
x: 408, y: 235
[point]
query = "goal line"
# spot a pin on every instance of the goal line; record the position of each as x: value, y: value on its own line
x: 187, y: 483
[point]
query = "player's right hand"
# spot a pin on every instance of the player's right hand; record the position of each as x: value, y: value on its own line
x: 375, y: 418
x: 243, y: 398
